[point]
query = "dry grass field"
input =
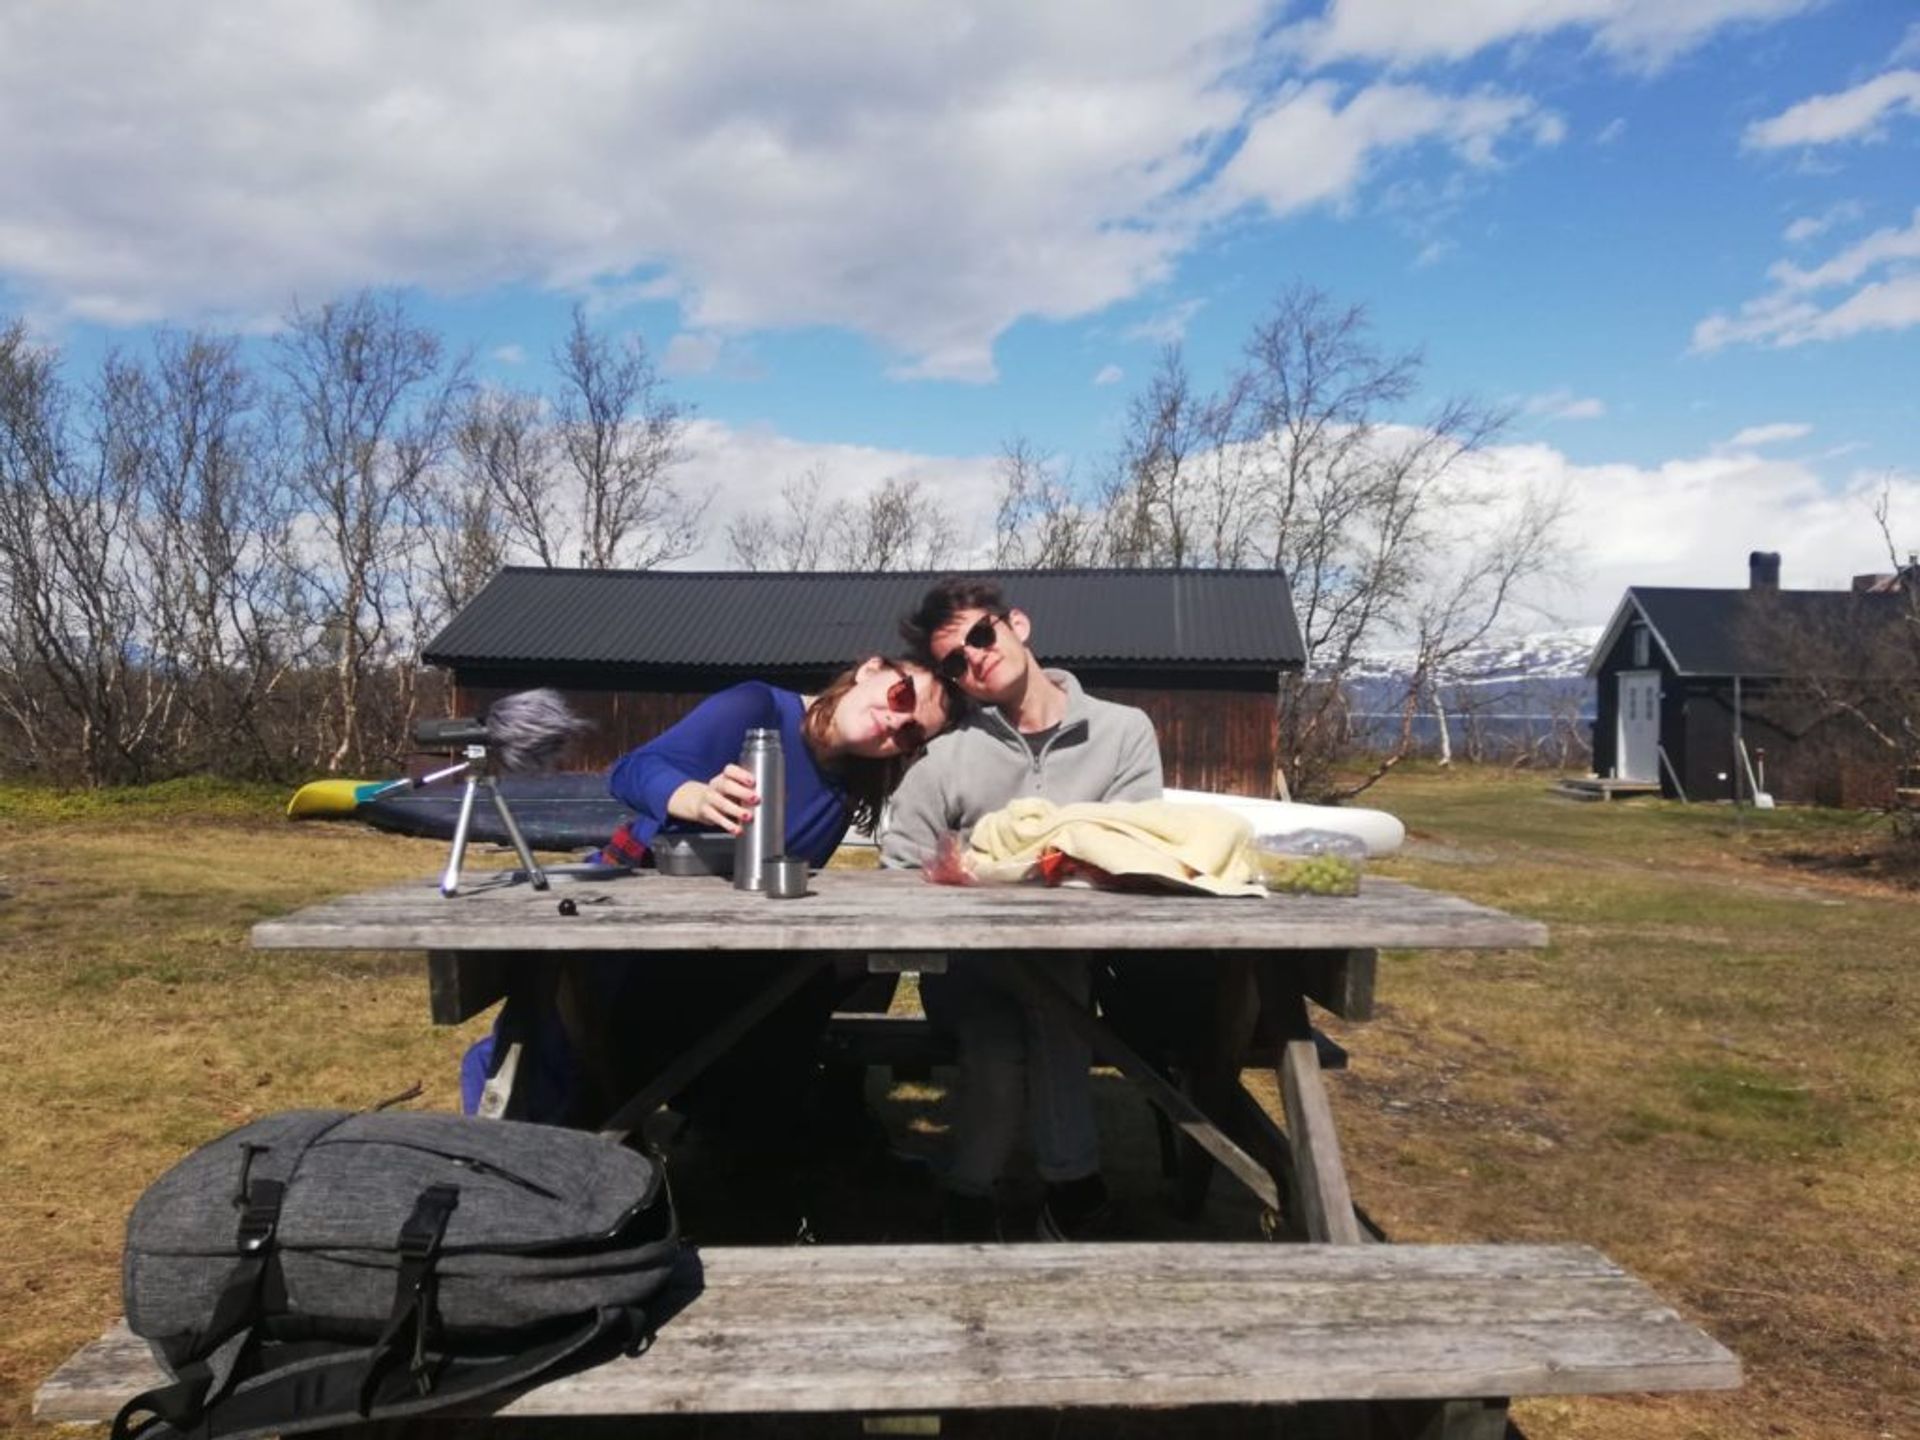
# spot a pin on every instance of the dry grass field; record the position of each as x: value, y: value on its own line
x: 1712, y: 1075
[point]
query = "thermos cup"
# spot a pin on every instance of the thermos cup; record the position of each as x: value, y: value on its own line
x: 765, y: 833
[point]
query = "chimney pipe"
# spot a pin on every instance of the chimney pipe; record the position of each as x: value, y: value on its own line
x: 1763, y: 569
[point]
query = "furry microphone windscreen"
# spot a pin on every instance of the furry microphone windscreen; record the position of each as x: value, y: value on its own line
x: 529, y: 730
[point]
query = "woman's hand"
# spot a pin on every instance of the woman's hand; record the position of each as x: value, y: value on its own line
x: 725, y: 802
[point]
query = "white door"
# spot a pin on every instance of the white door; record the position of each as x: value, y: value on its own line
x: 1637, y: 755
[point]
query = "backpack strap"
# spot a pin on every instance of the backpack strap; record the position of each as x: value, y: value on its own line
x: 322, y: 1393
x: 416, y: 1290
x: 200, y: 1382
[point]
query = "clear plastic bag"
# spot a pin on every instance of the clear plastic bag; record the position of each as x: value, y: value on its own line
x: 1310, y: 862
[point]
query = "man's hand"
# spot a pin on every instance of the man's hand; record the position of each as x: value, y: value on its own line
x: 725, y: 802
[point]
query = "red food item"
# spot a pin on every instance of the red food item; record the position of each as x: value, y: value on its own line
x: 1055, y: 866
x: 949, y: 863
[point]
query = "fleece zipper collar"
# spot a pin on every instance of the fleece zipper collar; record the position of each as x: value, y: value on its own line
x: 1074, y: 720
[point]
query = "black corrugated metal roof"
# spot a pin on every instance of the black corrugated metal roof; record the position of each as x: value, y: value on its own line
x: 739, y: 620
x: 1769, y: 632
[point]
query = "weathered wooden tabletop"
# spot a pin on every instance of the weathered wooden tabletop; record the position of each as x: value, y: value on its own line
x: 886, y: 911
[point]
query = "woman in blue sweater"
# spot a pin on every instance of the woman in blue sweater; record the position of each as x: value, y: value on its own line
x: 845, y: 749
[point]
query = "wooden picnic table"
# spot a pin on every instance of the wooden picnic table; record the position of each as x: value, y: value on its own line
x: 1265, y: 957
x: 1360, y: 1339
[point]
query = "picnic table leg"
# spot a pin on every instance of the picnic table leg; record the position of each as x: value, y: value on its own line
x: 1325, y: 1204
x: 1192, y: 1122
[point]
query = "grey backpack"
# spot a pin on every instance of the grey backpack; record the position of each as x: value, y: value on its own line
x: 317, y: 1267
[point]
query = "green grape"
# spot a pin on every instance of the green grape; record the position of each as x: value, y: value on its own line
x: 1312, y: 874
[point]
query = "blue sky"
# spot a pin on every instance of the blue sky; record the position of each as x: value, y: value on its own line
x: 1680, y: 237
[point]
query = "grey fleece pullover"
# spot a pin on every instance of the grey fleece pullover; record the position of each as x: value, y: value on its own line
x: 1101, y: 751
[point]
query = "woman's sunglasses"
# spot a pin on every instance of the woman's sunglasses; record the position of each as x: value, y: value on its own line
x: 953, y: 667
x: 904, y: 699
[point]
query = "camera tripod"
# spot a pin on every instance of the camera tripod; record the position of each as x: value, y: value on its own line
x: 480, y: 776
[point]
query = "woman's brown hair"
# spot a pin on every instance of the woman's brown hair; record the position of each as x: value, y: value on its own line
x: 869, y: 779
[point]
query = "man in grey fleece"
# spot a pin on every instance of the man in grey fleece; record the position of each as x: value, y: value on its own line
x: 1029, y: 731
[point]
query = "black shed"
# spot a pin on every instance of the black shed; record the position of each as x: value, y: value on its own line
x: 1201, y: 651
x: 1688, y: 678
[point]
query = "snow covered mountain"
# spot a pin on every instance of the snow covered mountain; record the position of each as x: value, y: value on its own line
x: 1537, y: 675
x: 1548, y: 655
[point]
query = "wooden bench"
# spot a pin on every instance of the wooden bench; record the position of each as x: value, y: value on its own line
x: 1441, y: 1335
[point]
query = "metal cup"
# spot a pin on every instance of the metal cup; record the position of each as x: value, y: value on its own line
x: 786, y: 877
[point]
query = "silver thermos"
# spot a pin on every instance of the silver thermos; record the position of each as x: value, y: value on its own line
x: 764, y: 836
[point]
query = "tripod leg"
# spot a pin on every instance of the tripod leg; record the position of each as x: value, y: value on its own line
x: 450, y: 882
x: 534, y: 872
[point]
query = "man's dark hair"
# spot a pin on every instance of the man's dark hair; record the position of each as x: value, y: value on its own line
x: 949, y: 596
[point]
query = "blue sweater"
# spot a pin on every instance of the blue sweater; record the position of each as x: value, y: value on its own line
x: 707, y: 741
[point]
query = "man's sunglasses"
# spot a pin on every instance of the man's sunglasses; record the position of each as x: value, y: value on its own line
x: 903, y: 699
x: 953, y: 666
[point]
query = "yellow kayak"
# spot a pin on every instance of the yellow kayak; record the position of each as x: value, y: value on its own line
x: 334, y: 799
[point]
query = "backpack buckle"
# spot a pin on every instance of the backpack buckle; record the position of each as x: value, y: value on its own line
x: 260, y: 1216
x: 420, y: 1237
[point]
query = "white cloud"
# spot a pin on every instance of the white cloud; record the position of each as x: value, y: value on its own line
x: 1757, y: 435
x: 1307, y: 147
x: 1168, y: 326
x: 1611, y: 131
x: 1109, y: 375
x: 690, y: 353
x: 1642, y: 34
x: 1793, y: 314
x: 1909, y: 46
x: 1563, y: 404
x: 508, y: 354
x: 1883, y: 247
x: 1857, y: 114
x: 922, y: 177
x: 1692, y: 520
x: 1812, y: 227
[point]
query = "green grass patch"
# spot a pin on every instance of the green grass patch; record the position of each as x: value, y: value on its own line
x: 195, y: 798
x: 1763, y: 1112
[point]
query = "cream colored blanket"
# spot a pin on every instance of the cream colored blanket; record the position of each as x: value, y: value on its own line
x: 1198, y: 847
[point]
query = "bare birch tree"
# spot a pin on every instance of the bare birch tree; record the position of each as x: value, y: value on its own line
x: 1359, y: 510
x: 1039, y: 521
x: 465, y: 544
x: 795, y: 539
x: 1181, y: 495
x: 372, y: 398
x: 1301, y: 461
x: 506, y: 453
x: 1490, y: 552
x: 73, y: 676
x: 896, y: 525
x: 620, y: 435
x: 213, y: 538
